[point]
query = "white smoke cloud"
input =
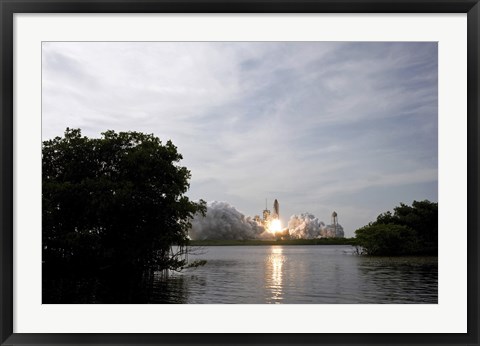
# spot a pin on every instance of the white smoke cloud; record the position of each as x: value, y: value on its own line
x: 305, y: 226
x: 222, y: 221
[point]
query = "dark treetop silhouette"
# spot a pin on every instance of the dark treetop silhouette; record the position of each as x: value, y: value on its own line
x: 114, y: 202
x: 410, y: 230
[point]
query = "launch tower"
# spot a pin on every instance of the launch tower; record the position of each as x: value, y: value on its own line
x: 266, y: 213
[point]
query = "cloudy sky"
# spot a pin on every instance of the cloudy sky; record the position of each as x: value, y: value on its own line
x: 321, y: 126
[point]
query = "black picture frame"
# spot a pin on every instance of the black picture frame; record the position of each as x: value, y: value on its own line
x: 9, y: 7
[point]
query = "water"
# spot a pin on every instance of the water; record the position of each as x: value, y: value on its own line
x: 312, y: 274
x: 299, y: 274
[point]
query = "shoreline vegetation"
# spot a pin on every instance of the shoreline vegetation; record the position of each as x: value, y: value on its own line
x: 114, y: 203
x: 258, y: 242
x: 408, y: 231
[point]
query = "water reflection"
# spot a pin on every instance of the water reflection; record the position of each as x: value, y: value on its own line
x: 168, y: 288
x: 397, y: 280
x: 263, y: 274
x: 274, y: 274
x: 116, y: 288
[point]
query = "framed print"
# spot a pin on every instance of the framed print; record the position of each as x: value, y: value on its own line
x: 239, y: 172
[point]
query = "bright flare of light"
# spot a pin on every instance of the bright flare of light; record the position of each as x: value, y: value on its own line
x: 275, y: 226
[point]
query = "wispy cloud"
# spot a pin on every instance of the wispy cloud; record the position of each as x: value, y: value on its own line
x: 313, y: 124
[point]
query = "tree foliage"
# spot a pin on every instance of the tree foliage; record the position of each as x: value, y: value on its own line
x: 408, y: 230
x: 387, y: 240
x: 114, y: 200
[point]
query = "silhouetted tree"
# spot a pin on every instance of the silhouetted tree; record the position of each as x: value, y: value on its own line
x: 117, y: 200
x: 413, y: 228
x: 387, y: 240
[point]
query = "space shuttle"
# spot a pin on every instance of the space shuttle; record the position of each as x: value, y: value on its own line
x: 276, y: 210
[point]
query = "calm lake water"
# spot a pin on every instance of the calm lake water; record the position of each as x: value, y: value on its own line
x: 300, y: 274
x: 277, y: 274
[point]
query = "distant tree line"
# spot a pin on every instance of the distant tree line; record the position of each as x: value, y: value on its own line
x: 115, y: 201
x: 260, y: 242
x: 409, y: 230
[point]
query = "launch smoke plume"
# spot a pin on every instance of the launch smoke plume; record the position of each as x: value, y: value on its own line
x: 305, y: 226
x: 223, y: 221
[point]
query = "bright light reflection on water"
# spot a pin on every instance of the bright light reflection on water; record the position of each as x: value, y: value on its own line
x: 273, y: 273
x: 268, y: 275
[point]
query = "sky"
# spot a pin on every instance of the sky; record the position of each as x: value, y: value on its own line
x: 350, y: 127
